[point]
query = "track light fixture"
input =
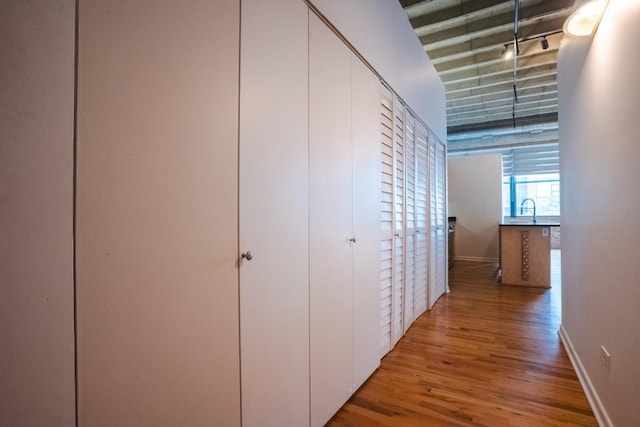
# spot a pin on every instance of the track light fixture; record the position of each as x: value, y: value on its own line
x: 544, y: 43
x: 507, y: 52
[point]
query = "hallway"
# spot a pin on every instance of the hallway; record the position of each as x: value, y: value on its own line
x: 486, y: 355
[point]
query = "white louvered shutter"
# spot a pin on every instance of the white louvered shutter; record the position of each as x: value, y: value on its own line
x: 409, y: 221
x: 432, y: 290
x: 398, y: 220
x: 386, y: 219
x: 442, y: 265
x: 421, y: 218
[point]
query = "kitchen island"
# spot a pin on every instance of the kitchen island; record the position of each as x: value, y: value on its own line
x: 525, y: 253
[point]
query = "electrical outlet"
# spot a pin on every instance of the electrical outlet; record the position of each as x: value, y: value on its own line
x: 545, y: 232
x: 605, y: 358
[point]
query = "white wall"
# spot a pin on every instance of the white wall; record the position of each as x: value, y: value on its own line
x: 475, y: 198
x: 36, y: 211
x: 380, y: 31
x: 599, y: 93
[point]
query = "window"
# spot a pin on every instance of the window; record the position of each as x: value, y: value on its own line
x: 544, y: 189
x: 531, y: 172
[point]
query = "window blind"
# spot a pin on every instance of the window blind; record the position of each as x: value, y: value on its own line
x: 536, y: 160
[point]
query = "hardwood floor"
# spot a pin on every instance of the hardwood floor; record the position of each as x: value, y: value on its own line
x: 486, y: 355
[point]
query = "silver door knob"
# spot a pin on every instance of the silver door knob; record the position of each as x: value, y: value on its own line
x: 247, y: 255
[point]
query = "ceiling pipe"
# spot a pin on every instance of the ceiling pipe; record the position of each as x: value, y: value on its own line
x: 516, y: 52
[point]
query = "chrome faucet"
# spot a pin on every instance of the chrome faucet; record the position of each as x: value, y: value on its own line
x: 533, y: 210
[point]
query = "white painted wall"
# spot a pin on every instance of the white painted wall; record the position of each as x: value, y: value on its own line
x: 475, y: 198
x: 599, y: 93
x: 36, y: 213
x: 380, y: 31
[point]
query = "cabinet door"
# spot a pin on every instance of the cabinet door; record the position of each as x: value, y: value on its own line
x: 274, y: 212
x: 157, y: 213
x: 330, y: 218
x: 366, y: 220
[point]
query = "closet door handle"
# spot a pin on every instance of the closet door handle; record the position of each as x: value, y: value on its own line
x: 352, y: 240
x: 247, y: 255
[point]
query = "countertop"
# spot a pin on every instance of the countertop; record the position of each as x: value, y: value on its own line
x: 530, y: 224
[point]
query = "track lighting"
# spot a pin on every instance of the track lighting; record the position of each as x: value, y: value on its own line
x: 544, y: 43
x: 507, y: 52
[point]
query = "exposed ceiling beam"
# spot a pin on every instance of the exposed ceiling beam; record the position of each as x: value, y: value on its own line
x: 457, y: 14
x: 466, y: 41
x: 451, y: 32
x: 496, y: 41
x: 502, y: 102
x: 496, y: 56
x: 503, y: 123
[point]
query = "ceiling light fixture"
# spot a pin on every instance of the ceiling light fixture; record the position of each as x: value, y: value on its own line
x: 544, y: 43
x: 585, y: 20
x: 507, y: 52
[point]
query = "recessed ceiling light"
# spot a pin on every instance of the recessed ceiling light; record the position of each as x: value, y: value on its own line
x: 585, y: 20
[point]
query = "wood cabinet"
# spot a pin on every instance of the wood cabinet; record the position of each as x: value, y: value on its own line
x: 525, y: 255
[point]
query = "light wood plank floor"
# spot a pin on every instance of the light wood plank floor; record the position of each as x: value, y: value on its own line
x: 486, y: 355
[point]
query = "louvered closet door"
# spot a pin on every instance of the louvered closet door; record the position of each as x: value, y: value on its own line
x: 421, y: 218
x: 441, y: 219
x: 438, y: 258
x: 398, y: 221
x: 386, y: 219
x: 432, y: 294
x: 409, y: 221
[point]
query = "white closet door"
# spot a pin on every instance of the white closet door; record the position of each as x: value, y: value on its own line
x: 274, y: 212
x: 409, y: 221
x: 157, y: 214
x: 422, y: 216
x: 441, y: 220
x: 330, y: 216
x: 438, y: 265
x: 387, y: 237
x: 397, y: 329
x: 432, y: 294
x: 366, y: 220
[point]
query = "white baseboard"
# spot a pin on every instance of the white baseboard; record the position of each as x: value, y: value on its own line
x: 473, y: 258
x: 592, y: 396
